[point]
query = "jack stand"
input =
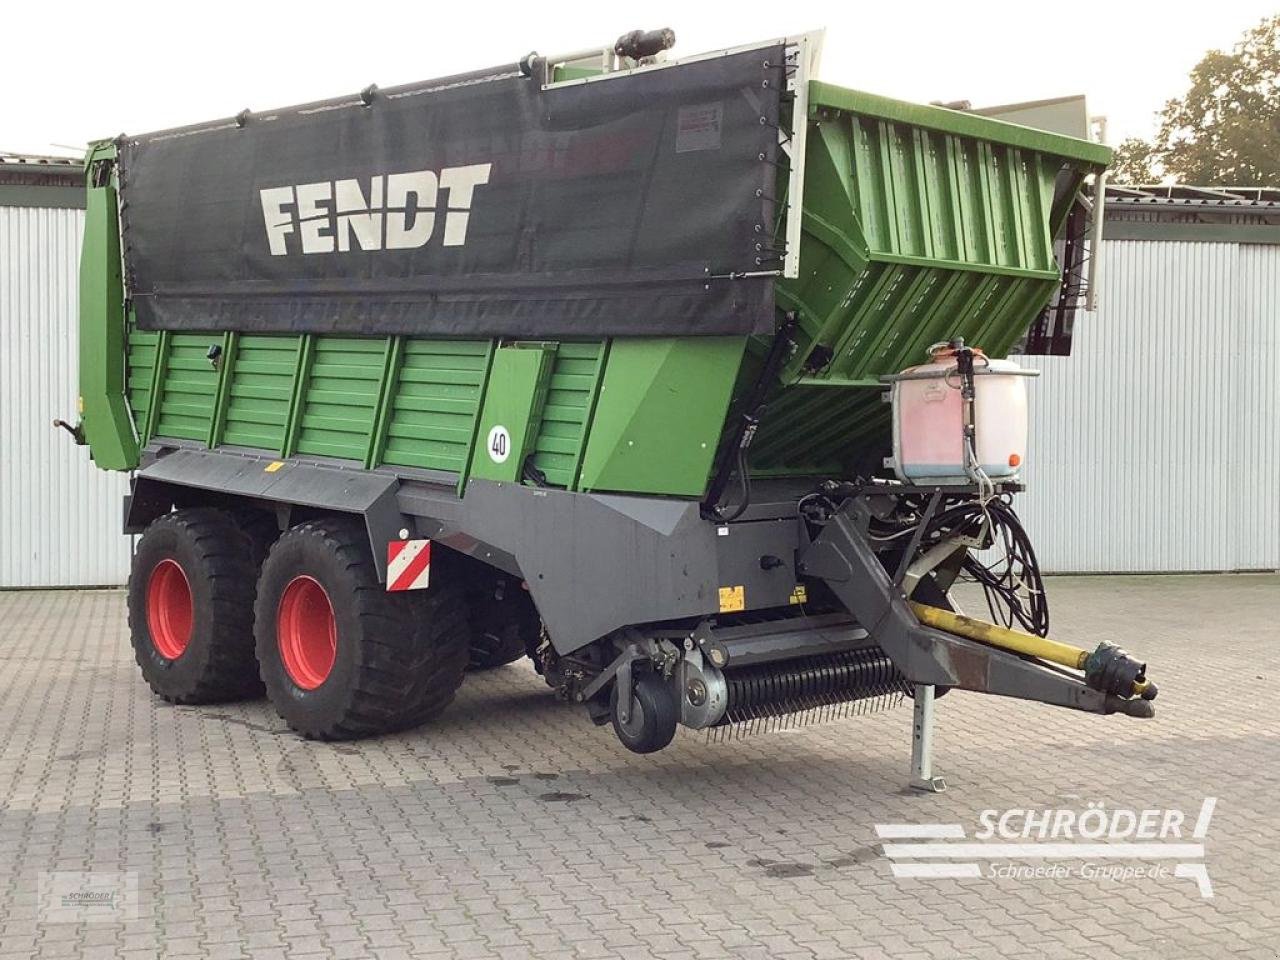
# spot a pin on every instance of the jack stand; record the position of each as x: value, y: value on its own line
x: 922, y: 777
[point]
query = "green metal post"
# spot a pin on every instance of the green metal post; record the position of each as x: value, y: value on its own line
x: 104, y: 409
x: 226, y: 370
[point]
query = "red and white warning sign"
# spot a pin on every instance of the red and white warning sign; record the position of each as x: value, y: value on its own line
x: 408, y: 564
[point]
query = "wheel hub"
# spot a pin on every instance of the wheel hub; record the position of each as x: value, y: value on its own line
x: 307, y: 632
x: 634, y: 724
x: 169, y: 609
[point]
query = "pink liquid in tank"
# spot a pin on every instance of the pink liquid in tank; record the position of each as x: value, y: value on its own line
x: 928, y: 420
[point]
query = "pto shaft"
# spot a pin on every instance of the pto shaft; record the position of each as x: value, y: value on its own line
x: 1108, y: 668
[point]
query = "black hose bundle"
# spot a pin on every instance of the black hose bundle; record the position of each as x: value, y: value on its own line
x: 1012, y: 583
x: 734, y: 452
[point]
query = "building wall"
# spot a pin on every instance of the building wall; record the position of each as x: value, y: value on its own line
x: 1156, y: 445
x: 59, y: 515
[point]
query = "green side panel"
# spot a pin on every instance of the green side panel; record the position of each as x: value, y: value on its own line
x: 140, y: 366
x: 105, y: 417
x: 660, y: 413
x: 434, y: 407
x: 920, y: 225
x: 571, y: 397
x: 513, y: 403
x: 188, y: 388
x: 340, y: 397
x: 257, y: 401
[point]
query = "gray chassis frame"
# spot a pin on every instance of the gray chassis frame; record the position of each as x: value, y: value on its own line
x: 597, y: 564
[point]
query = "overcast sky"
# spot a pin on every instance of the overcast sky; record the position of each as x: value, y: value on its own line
x: 78, y: 71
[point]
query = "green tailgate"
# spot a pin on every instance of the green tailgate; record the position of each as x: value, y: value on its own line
x: 920, y: 224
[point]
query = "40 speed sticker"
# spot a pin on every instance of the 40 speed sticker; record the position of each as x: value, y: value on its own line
x: 499, y: 444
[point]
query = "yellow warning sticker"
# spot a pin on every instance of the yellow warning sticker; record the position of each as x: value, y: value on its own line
x: 800, y: 594
x: 733, y: 599
x: 273, y: 466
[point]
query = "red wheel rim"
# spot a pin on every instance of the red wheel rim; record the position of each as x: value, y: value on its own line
x: 307, y: 632
x: 169, y: 606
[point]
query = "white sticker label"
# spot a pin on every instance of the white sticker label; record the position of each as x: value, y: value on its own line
x: 499, y: 444
x: 698, y: 127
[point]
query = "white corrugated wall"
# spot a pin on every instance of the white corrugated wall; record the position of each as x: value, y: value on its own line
x: 59, y: 515
x: 1156, y: 445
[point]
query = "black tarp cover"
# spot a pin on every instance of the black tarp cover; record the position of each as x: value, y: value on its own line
x: 616, y: 207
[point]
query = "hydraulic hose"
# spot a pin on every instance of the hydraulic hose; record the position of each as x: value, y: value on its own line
x: 734, y: 451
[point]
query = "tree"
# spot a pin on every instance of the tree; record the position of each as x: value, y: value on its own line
x: 1225, y: 130
x: 1133, y: 163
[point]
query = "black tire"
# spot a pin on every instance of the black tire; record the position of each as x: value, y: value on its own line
x: 505, y: 625
x: 654, y: 714
x: 260, y: 527
x: 397, y: 658
x: 214, y: 563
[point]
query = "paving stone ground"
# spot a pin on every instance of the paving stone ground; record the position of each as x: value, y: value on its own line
x: 513, y: 828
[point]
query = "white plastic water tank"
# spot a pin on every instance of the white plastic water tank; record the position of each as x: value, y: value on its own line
x: 928, y: 419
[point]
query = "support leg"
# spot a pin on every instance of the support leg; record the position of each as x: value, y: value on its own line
x: 922, y: 777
